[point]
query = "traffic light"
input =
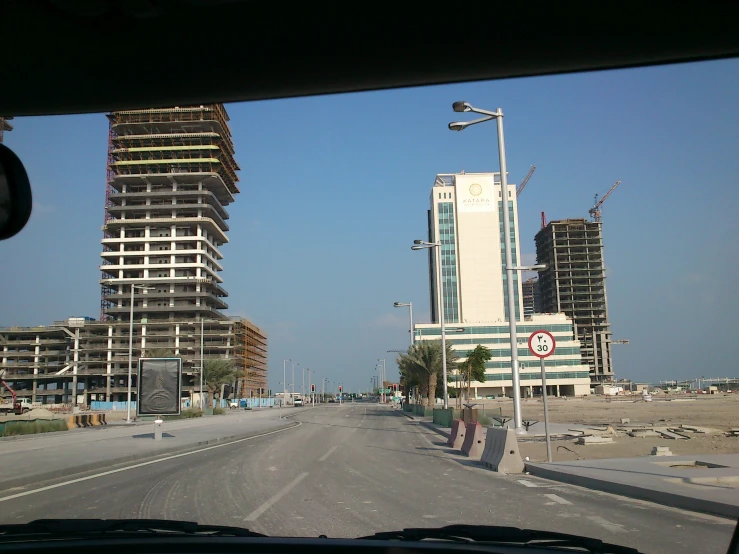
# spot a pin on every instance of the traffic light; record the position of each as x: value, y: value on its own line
x: 313, y: 388
x: 341, y: 388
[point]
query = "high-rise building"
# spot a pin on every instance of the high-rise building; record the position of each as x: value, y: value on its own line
x: 531, y: 297
x: 171, y: 172
x: 466, y: 215
x: 575, y: 283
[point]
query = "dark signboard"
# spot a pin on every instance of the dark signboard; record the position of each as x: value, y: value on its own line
x: 159, y: 386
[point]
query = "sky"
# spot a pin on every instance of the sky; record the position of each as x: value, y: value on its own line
x: 334, y: 189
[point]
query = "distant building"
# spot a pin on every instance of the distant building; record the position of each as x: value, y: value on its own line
x: 531, y: 297
x: 574, y: 283
x: 466, y: 216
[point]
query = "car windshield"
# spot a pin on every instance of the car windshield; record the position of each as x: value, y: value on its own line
x: 302, y: 318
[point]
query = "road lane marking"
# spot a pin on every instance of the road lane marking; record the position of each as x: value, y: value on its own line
x: 142, y: 464
x: 327, y: 454
x: 557, y: 499
x: 269, y: 503
x: 610, y: 526
x: 527, y: 483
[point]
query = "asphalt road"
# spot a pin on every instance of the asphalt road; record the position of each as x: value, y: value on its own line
x: 349, y: 471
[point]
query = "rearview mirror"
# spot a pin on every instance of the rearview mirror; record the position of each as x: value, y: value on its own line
x: 15, y: 194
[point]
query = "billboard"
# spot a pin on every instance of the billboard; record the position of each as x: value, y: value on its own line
x: 159, y: 386
x: 475, y: 193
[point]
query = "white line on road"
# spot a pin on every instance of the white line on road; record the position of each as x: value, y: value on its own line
x: 527, y: 483
x: 112, y: 471
x: 327, y: 454
x: 557, y: 499
x: 269, y: 503
x: 610, y: 526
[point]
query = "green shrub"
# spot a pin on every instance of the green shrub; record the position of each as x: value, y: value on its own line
x: 192, y: 412
x: 13, y: 428
x: 219, y: 411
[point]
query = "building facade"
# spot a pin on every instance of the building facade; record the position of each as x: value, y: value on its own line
x: 567, y: 374
x: 466, y: 211
x: 574, y: 283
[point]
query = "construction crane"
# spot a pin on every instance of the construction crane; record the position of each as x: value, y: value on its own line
x: 595, y: 210
x: 519, y: 190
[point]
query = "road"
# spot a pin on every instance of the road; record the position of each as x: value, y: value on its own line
x: 351, y: 470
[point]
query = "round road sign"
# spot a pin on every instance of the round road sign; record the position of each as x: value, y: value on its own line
x: 542, y: 344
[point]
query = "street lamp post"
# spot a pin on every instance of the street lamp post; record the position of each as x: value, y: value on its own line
x: 422, y: 245
x: 460, y: 126
x: 292, y: 384
x: 130, y: 351
x: 410, y: 312
x: 284, y: 380
x: 202, y: 359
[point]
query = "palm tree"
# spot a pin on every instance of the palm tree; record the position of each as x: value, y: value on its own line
x: 219, y: 371
x: 422, y: 364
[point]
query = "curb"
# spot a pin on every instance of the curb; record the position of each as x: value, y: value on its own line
x: 435, y: 429
x: 712, y: 507
x: 108, y: 464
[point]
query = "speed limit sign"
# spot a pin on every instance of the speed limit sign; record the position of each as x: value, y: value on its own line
x: 542, y: 344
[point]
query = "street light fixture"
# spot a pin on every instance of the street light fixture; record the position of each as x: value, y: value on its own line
x: 462, y: 106
x: 410, y: 310
x: 130, y: 350
x: 422, y: 245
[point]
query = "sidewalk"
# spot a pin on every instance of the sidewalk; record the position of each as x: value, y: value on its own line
x: 710, y: 486
x: 701, y: 488
x: 55, y: 455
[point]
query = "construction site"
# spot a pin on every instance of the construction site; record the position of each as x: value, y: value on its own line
x: 80, y: 361
x: 171, y: 172
x: 574, y: 283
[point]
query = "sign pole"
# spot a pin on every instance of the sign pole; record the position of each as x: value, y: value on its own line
x: 542, y: 345
x: 546, y: 410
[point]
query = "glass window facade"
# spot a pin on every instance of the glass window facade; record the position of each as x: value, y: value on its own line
x: 448, y: 261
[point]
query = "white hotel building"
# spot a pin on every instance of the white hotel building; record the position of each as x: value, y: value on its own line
x: 465, y: 214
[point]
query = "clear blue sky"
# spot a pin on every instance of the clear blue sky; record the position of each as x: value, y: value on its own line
x: 335, y: 189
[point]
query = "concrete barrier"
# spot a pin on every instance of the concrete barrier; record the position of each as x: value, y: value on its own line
x: 456, y: 437
x: 474, y: 440
x: 501, y: 452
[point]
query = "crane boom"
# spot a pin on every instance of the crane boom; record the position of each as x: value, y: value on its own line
x: 519, y: 190
x: 595, y: 210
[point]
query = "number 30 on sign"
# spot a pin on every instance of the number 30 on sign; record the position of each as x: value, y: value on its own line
x: 542, y: 344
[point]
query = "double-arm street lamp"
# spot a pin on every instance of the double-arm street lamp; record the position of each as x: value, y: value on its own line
x: 509, y: 267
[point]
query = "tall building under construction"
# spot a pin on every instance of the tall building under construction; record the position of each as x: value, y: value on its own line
x: 574, y: 283
x: 171, y: 173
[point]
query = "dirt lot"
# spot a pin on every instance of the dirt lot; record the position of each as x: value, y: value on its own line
x: 719, y: 412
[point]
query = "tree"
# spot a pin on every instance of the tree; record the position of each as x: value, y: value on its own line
x: 422, y: 364
x: 474, y: 368
x: 219, y: 371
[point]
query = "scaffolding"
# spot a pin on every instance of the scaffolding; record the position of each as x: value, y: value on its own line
x: 574, y: 283
x: 250, y: 355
